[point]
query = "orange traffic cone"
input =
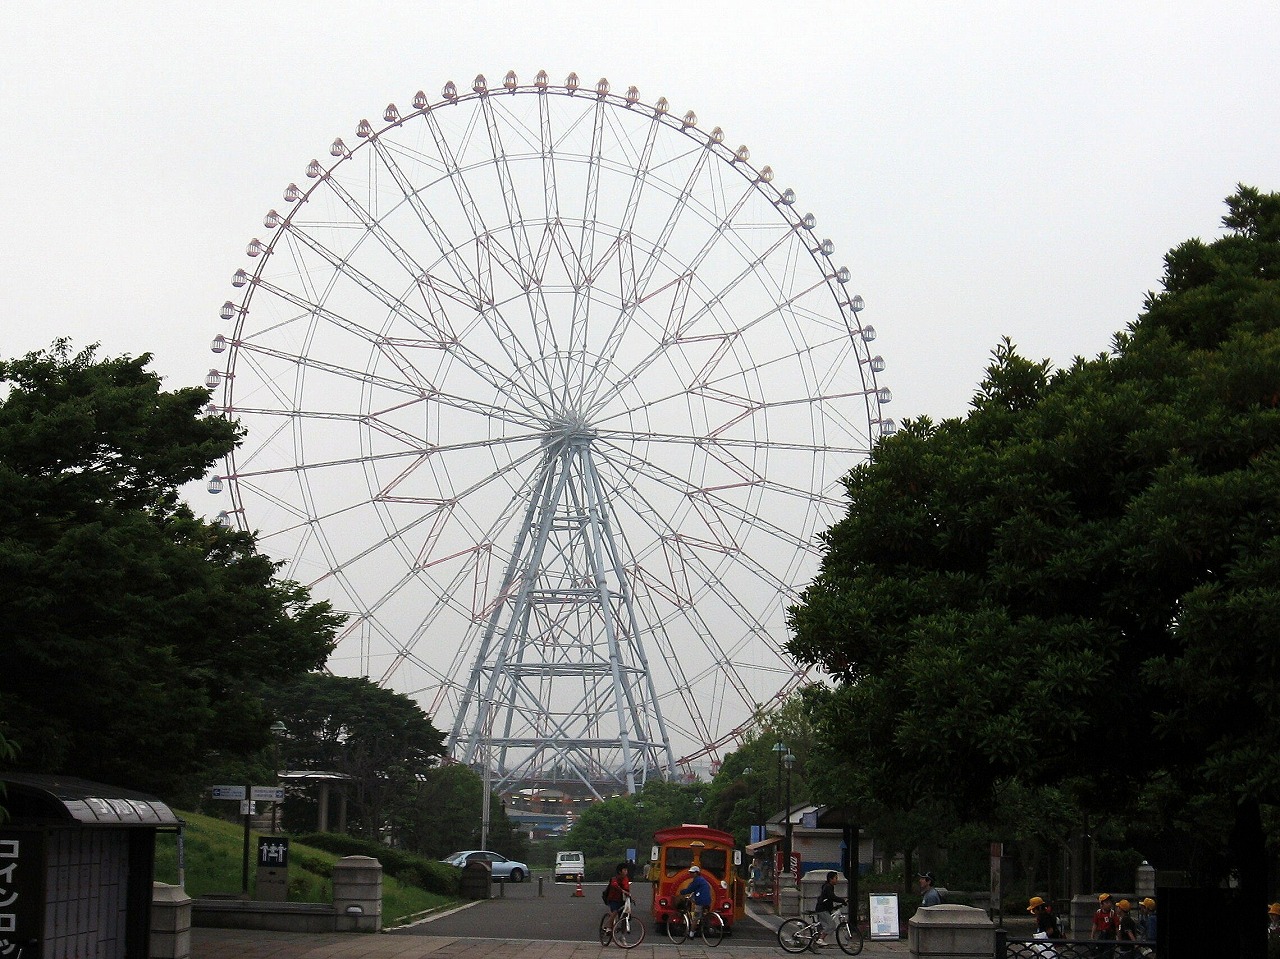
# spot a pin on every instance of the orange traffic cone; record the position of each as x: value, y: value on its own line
x: 578, y: 892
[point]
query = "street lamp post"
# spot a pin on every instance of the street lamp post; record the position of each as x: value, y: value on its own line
x: 779, y: 748
x: 278, y: 731
x: 789, y: 760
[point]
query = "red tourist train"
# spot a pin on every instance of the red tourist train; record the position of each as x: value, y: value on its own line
x: 678, y: 848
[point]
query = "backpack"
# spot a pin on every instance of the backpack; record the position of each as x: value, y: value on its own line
x: 604, y: 894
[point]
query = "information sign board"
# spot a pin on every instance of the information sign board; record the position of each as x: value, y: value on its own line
x: 267, y: 793
x: 884, y: 917
x: 228, y: 792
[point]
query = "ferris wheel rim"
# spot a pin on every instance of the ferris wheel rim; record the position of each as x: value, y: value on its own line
x: 758, y: 179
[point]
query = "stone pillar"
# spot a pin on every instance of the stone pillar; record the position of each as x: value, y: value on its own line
x: 1145, y: 881
x: 357, y: 894
x: 788, y: 896
x: 322, y: 811
x: 170, y: 922
x: 1082, y: 910
x: 951, y: 932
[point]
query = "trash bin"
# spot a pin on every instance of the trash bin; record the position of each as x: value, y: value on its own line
x: 476, y: 879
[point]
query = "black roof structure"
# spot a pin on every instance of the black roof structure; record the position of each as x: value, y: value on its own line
x: 67, y: 800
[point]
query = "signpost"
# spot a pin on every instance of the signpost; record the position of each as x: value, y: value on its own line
x: 247, y: 796
x: 997, y: 852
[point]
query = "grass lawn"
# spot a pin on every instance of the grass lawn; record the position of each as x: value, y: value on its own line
x: 215, y: 866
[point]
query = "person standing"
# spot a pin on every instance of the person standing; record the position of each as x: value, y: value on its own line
x: 1104, y: 924
x: 1147, y: 922
x: 1046, y: 919
x: 826, y: 907
x: 1273, y: 930
x: 1126, y: 929
x: 929, y: 895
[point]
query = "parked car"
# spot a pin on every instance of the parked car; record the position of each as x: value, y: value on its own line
x: 501, y: 868
x: 570, y: 866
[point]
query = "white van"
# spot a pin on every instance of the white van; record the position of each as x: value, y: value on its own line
x: 569, y: 866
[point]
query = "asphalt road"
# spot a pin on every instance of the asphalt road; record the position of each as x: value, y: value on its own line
x: 517, y: 911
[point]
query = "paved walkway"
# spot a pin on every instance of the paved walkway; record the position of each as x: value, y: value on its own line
x: 254, y: 944
x: 247, y: 944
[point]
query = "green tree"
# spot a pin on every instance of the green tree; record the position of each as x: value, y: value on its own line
x: 138, y: 639
x: 608, y: 829
x: 1089, y: 557
x: 381, y: 739
x: 441, y: 814
x: 737, y: 799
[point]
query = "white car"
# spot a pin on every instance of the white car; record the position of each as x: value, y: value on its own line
x: 500, y: 867
x: 570, y: 866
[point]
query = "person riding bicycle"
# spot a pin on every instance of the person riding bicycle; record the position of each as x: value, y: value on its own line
x: 826, y: 907
x: 698, y: 891
x: 618, y: 890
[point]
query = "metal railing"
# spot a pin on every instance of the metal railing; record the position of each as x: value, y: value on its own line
x: 1024, y: 947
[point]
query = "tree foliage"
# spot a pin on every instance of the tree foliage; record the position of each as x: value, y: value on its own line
x: 138, y: 639
x: 750, y: 787
x: 441, y: 814
x: 379, y: 738
x: 1089, y: 557
x: 609, y: 829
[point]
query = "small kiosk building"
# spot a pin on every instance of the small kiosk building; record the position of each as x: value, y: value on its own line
x: 77, y: 859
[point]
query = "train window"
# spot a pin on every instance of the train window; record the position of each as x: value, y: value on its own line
x: 715, y: 860
x: 678, y: 858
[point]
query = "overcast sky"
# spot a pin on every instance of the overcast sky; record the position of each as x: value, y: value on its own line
x: 985, y: 169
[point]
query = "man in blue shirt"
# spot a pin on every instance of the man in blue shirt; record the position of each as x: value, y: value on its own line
x: 929, y: 896
x: 698, y: 890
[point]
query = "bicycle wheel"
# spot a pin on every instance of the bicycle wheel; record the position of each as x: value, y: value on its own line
x: 849, y: 938
x: 628, y: 932
x: 712, y: 928
x: 796, y: 935
x: 678, y: 928
x: 606, y: 932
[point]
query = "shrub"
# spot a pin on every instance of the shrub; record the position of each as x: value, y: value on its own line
x: 406, y: 867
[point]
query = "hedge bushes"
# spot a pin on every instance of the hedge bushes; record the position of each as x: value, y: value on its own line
x: 406, y: 867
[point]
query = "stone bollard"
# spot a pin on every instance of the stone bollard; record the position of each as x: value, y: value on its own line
x: 951, y: 932
x: 476, y: 881
x: 357, y: 894
x: 170, y: 922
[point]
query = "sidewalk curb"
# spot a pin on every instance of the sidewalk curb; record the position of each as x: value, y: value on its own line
x: 431, y: 915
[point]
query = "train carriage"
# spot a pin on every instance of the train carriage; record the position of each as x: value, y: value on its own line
x: 712, y: 851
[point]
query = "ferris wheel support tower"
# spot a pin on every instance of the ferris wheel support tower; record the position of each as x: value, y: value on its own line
x: 563, y: 645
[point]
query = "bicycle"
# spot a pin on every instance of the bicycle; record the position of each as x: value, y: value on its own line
x: 626, y: 931
x: 681, y: 927
x: 797, y: 935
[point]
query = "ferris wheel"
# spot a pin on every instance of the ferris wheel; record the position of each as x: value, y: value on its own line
x: 551, y: 392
